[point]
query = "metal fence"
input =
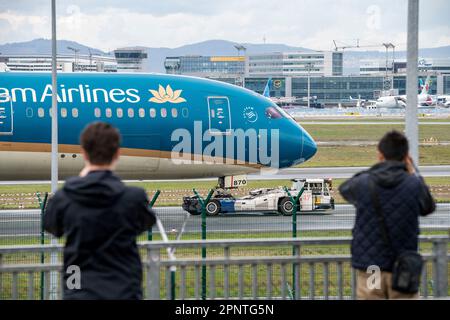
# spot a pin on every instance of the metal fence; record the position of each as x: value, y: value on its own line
x: 291, y: 269
x: 20, y: 227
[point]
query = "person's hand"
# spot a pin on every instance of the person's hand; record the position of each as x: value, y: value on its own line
x: 410, y: 165
x: 84, y: 172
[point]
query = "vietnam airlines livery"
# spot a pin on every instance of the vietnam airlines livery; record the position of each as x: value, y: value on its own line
x: 172, y: 126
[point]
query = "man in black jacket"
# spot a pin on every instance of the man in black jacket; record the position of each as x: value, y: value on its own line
x: 403, y: 196
x: 100, y: 218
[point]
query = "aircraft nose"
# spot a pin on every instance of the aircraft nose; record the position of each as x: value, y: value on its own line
x: 297, y: 146
x: 309, y: 146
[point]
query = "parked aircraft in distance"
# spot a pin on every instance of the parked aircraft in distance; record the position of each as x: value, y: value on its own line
x: 424, y: 99
x: 172, y: 126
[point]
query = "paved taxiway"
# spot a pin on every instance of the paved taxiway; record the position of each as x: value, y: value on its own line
x: 14, y: 223
x: 340, y: 172
x: 290, y: 173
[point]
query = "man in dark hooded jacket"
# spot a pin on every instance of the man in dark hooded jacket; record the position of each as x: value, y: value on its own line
x: 100, y: 218
x: 403, y: 197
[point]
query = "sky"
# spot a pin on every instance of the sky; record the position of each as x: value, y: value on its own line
x: 314, y: 24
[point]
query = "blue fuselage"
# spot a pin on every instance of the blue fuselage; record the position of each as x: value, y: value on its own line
x: 159, y: 116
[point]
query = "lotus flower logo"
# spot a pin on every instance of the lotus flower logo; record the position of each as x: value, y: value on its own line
x: 166, y: 95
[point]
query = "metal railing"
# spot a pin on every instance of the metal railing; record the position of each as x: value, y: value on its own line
x: 268, y: 277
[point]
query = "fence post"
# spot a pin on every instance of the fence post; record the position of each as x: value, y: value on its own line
x: 152, y: 202
x: 42, y: 204
x: 203, y: 204
x: 294, y: 234
x: 153, y: 270
x: 440, y: 272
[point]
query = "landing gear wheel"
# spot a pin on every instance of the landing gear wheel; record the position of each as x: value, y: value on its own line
x: 213, y: 208
x: 286, y: 207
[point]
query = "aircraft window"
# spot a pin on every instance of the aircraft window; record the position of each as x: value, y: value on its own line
x: 108, y: 113
x: 152, y: 113
x: 41, y: 112
x: 174, y: 113
x: 141, y: 113
x: 284, y: 113
x: 130, y: 113
x: 75, y: 112
x: 163, y: 112
x: 273, y: 113
x: 64, y: 112
x: 29, y: 112
x: 50, y: 112
x: 119, y: 112
x: 97, y: 112
x: 185, y: 112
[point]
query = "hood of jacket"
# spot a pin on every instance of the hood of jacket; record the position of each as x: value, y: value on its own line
x: 388, y: 174
x: 96, y: 189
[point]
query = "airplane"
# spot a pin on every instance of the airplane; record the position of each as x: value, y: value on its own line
x: 266, y: 92
x: 172, y: 127
x: 443, y: 100
x: 399, y: 101
x: 283, y: 102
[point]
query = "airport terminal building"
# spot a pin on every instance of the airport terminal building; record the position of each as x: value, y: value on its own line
x: 230, y: 69
x: 290, y: 72
x: 333, y: 90
x: 131, y: 59
x: 293, y: 64
x: 379, y: 66
x: 65, y: 63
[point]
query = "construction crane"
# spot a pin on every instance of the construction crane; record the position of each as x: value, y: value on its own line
x: 337, y: 48
x: 386, y: 45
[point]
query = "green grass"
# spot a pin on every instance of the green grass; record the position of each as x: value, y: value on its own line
x: 422, y: 119
x: 362, y: 132
x: 344, y: 156
x: 151, y: 185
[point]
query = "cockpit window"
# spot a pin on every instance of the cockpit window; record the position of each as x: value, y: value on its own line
x: 273, y: 113
x: 284, y: 113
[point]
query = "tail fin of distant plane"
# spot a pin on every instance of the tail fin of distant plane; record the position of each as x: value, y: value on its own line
x: 425, y: 86
x: 266, y: 92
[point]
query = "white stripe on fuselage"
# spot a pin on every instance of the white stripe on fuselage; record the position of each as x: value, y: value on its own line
x: 36, y: 166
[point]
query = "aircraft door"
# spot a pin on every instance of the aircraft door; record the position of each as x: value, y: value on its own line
x: 6, y: 115
x: 219, y: 115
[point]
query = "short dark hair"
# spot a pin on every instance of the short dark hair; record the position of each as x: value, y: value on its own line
x: 101, y: 141
x: 394, y: 146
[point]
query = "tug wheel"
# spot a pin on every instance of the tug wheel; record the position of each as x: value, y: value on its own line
x: 213, y: 208
x: 286, y: 207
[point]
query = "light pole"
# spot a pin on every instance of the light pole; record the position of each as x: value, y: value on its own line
x: 54, y: 155
x: 76, y: 57
x: 411, y: 121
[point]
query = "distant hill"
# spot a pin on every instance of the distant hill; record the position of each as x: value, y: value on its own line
x: 207, y: 48
x: 44, y: 46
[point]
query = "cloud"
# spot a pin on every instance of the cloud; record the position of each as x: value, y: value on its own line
x: 315, y: 24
